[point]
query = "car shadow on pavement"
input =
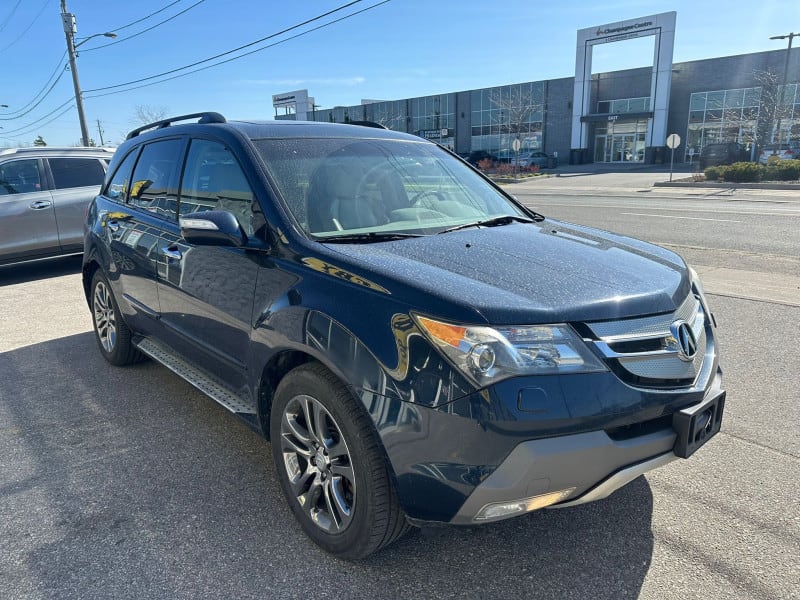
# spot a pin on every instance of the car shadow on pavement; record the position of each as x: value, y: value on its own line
x: 44, y: 269
x: 128, y: 483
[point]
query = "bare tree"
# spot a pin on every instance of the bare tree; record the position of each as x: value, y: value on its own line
x: 772, y: 109
x: 516, y: 107
x: 146, y: 114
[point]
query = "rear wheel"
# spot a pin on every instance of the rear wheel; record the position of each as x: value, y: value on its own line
x: 330, y: 467
x: 112, y: 334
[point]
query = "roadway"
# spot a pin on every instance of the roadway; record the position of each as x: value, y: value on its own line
x: 128, y: 483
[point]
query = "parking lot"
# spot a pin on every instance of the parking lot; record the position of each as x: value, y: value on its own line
x: 128, y: 483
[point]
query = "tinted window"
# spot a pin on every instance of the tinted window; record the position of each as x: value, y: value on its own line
x: 76, y: 172
x: 153, y: 184
x: 119, y: 186
x: 20, y: 177
x: 213, y: 180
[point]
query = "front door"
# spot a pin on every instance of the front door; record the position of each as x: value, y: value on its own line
x: 27, y: 217
x: 206, y: 292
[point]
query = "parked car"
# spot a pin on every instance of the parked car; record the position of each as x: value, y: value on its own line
x: 477, y: 156
x: 725, y: 153
x: 528, y: 159
x: 44, y: 193
x: 402, y: 330
x: 782, y: 151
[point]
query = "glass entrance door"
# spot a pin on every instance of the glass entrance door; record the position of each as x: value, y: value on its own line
x: 620, y: 141
x: 619, y: 148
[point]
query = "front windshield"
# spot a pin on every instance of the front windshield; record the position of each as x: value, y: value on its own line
x: 342, y: 187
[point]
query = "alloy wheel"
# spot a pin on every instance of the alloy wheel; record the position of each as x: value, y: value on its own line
x: 318, y: 464
x: 105, y: 318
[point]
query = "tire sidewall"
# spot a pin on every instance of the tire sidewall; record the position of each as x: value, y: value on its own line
x: 115, y: 356
x: 304, y: 381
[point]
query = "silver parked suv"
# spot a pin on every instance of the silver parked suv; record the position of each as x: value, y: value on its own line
x: 43, y: 197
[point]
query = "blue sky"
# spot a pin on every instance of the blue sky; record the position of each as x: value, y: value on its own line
x: 397, y: 49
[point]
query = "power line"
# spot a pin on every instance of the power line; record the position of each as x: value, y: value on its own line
x: 242, y: 55
x: 130, y: 37
x: 317, y: 18
x: 152, y: 14
x: 22, y: 111
x: 21, y: 35
x: 10, y: 15
x: 58, y: 116
x: 36, y: 122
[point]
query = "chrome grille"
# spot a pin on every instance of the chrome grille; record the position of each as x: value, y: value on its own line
x: 645, y: 349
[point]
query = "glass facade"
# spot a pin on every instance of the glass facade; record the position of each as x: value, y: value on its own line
x: 339, y: 114
x: 722, y: 116
x: 790, y: 121
x: 392, y: 114
x: 624, y: 105
x: 501, y: 114
x: 433, y: 117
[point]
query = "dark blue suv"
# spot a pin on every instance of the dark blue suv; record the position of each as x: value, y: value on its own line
x: 417, y: 345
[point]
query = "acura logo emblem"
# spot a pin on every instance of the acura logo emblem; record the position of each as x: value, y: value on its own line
x: 684, y: 341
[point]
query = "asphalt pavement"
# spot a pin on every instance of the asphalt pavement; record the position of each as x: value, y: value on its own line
x: 128, y: 483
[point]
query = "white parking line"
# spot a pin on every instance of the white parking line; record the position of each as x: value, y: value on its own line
x: 674, y: 217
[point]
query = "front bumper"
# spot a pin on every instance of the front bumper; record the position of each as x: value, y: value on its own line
x: 575, y: 469
x: 573, y: 463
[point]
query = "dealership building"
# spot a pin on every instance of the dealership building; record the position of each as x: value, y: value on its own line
x: 620, y: 116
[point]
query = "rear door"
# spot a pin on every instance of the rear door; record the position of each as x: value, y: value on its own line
x: 206, y: 292
x: 144, y: 191
x: 76, y: 180
x: 27, y: 218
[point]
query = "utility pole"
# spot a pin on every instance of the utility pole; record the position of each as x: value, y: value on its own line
x: 790, y: 36
x: 70, y: 29
x: 100, y: 131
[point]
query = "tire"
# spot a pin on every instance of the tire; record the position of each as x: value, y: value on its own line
x: 112, y: 334
x: 333, y: 473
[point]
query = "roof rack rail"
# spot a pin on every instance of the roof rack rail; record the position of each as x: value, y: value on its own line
x: 368, y: 124
x: 204, y: 117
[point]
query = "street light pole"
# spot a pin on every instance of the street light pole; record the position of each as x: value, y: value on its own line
x: 790, y: 37
x: 70, y: 29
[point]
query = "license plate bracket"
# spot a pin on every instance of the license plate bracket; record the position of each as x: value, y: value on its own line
x: 697, y: 424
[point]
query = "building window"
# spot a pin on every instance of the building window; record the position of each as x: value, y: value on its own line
x: 502, y: 114
x: 722, y: 116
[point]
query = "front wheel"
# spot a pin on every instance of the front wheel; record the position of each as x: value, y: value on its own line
x: 112, y: 334
x: 330, y: 467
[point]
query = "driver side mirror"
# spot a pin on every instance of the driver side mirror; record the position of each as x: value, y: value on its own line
x: 212, y: 228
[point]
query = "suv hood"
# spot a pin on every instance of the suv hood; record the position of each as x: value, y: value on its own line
x: 524, y: 273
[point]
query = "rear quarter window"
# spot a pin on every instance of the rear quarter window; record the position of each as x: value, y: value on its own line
x: 76, y: 172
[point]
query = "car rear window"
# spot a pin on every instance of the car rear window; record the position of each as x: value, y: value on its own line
x: 76, y: 172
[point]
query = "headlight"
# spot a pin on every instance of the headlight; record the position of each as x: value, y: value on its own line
x: 489, y: 354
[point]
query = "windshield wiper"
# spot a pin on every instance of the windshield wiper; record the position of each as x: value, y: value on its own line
x: 367, y: 238
x: 493, y: 222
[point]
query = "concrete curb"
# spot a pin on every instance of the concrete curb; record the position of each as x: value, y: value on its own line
x: 728, y: 185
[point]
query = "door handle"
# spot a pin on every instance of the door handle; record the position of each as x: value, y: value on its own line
x: 113, y: 226
x: 172, y: 253
x: 40, y: 204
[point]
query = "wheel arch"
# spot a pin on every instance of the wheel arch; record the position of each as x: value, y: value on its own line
x: 89, y: 268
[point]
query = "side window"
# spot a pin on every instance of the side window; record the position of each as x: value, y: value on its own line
x: 76, y: 172
x: 213, y: 180
x: 119, y: 185
x: 153, y: 184
x: 20, y: 177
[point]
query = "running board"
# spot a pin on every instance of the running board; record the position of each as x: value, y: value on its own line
x: 208, y: 385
